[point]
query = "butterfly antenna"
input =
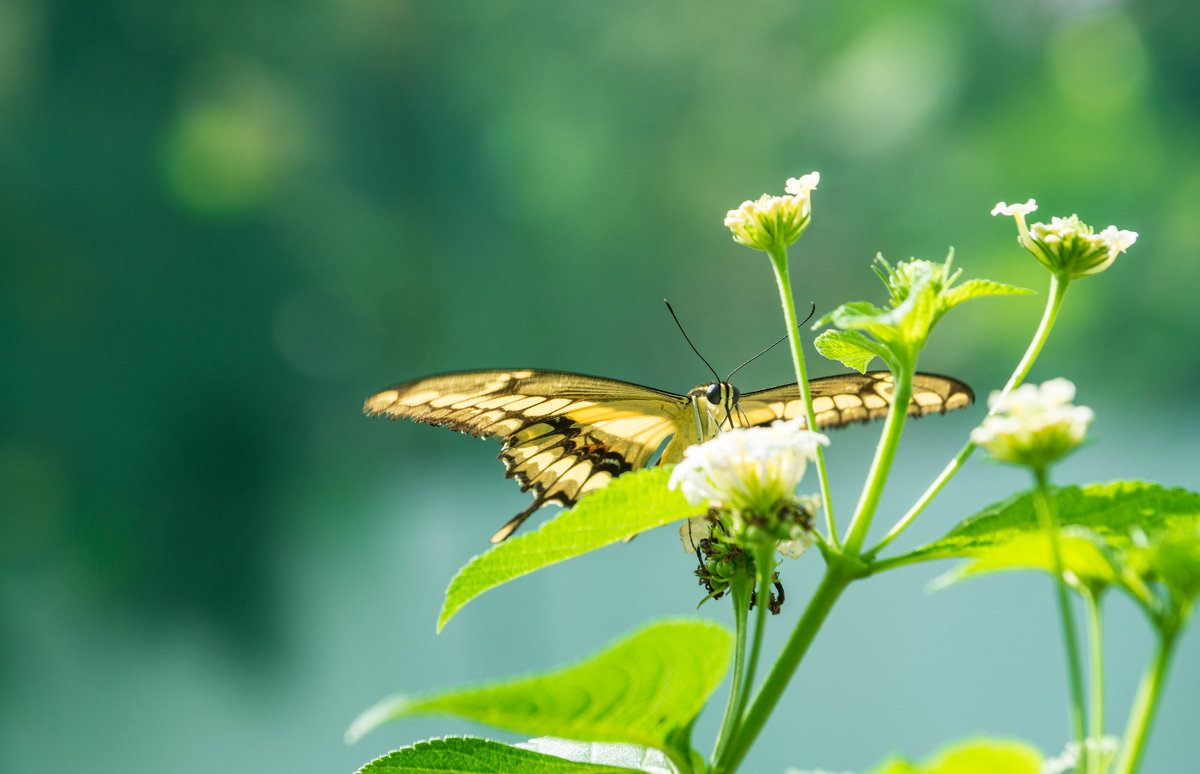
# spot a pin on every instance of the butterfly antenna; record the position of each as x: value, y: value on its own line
x: 689, y: 341
x: 811, y: 311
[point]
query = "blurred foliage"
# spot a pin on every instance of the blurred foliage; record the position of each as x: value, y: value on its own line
x: 225, y: 223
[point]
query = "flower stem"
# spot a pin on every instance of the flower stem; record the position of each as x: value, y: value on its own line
x: 837, y: 577
x: 1141, y: 717
x: 884, y: 454
x: 1096, y: 690
x: 739, y: 592
x: 779, y: 264
x: 1049, y: 523
x: 1058, y: 289
x: 764, y: 570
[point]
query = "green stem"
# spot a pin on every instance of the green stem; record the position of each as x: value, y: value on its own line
x: 764, y: 563
x: 779, y: 264
x: 739, y: 592
x: 764, y: 570
x: 884, y: 454
x: 837, y: 577
x: 1049, y: 525
x: 1096, y: 690
x: 1058, y: 289
x: 1141, y: 717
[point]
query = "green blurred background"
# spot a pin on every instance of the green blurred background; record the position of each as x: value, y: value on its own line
x: 223, y: 224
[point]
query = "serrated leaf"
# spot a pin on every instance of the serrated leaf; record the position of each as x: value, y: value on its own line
x: 978, y: 288
x: 980, y: 756
x: 633, y: 503
x: 1110, y: 533
x: 850, y: 348
x: 465, y: 755
x: 640, y: 690
x: 1082, y: 552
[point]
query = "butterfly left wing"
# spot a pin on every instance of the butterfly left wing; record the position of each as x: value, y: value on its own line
x: 564, y: 435
x: 840, y: 400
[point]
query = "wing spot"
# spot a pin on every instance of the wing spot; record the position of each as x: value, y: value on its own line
x: 547, y: 407
x: 414, y: 398
x: 499, y: 401
x: 523, y: 404
x: 845, y: 402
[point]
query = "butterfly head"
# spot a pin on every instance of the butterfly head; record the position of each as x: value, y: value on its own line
x: 720, y: 399
x: 722, y: 394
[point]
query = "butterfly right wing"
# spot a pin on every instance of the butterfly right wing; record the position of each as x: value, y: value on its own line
x: 564, y: 435
x: 845, y: 398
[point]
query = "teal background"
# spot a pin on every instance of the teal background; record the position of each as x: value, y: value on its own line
x: 224, y: 224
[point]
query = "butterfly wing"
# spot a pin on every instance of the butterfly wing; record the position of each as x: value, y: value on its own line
x: 564, y: 435
x: 840, y: 400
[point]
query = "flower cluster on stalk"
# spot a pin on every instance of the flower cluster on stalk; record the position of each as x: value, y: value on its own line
x: 774, y: 222
x: 1067, y: 246
x: 748, y: 478
x: 1033, y: 425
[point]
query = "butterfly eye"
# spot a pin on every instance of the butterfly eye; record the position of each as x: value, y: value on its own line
x: 736, y: 394
x: 713, y: 393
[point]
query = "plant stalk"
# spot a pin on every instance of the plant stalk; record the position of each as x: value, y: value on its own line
x: 836, y: 578
x: 885, y: 452
x: 1049, y: 525
x: 1141, y: 717
x: 1058, y: 290
x: 780, y: 265
x: 739, y: 592
x: 1096, y: 689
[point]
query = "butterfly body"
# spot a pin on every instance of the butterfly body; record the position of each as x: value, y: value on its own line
x: 566, y: 435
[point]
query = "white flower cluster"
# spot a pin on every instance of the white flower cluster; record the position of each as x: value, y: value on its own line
x: 1068, y: 245
x: 750, y: 471
x: 1105, y: 747
x: 1033, y: 425
x: 774, y: 221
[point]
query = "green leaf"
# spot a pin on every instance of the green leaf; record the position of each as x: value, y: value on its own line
x: 1171, y: 556
x: 850, y: 348
x: 1128, y: 532
x: 1083, y: 552
x: 640, y: 690
x: 978, y: 288
x: 979, y: 756
x: 465, y: 755
x: 633, y: 503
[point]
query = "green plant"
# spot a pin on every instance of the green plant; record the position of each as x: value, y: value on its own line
x: 640, y: 696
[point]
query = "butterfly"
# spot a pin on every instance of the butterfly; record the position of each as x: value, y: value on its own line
x: 566, y: 435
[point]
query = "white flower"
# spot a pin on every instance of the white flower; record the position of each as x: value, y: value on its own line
x: 1105, y: 747
x: 755, y: 468
x: 774, y: 221
x: 1033, y: 425
x: 1013, y: 210
x: 617, y: 754
x: 803, y: 185
x: 1067, y: 246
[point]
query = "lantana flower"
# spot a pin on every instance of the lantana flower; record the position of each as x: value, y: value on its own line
x: 750, y: 475
x: 1033, y: 425
x: 774, y: 222
x: 1067, y: 246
